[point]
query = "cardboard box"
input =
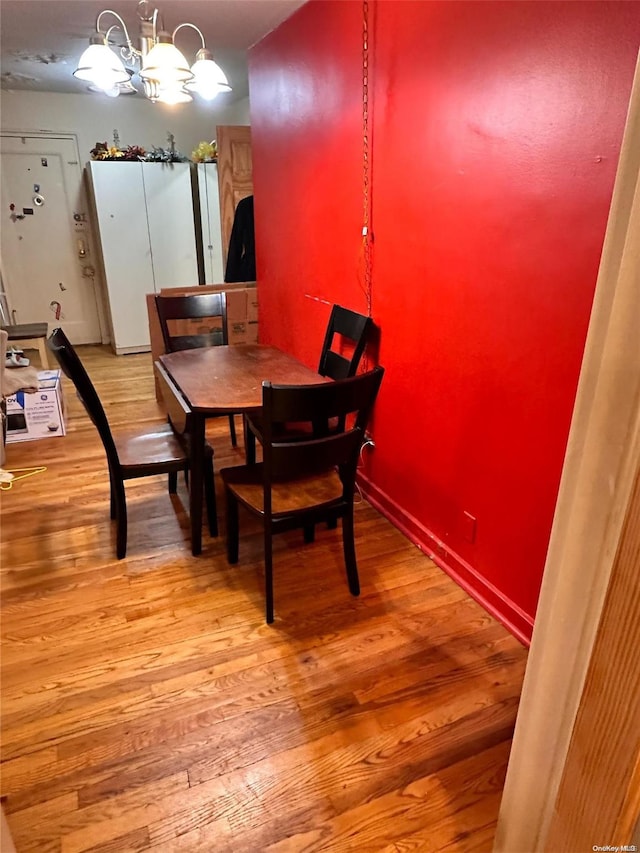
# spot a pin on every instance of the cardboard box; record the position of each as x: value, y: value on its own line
x: 39, y: 414
x: 242, y: 332
x: 198, y: 326
x: 252, y: 305
x: 242, y: 315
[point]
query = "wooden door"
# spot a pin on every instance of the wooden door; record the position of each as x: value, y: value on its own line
x: 235, y: 175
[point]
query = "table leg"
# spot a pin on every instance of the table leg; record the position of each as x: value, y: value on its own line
x: 196, y: 482
x: 249, y: 444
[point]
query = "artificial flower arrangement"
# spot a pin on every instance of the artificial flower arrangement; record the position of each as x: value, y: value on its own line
x: 165, y: 155
x: 205, y: 152
x: 103, y: 151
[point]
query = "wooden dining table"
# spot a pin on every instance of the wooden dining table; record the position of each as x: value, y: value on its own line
x: 207, y: 382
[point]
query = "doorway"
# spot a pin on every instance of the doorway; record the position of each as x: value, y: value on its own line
x: 48, y: 271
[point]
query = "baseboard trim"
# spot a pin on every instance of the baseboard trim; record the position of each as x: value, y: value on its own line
x: 514, y: 619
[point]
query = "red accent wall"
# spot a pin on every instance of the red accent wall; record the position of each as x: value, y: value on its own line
x: 496, y: 129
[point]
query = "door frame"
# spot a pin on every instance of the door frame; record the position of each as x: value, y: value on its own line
x: 573, y: 779
x: 70, y: 136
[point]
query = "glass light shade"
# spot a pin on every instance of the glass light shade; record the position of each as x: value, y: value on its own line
x: 118, y: 89
x: 208, y: 79
x: 173, y: 95
x: 165, y: 65
x: 102, y: 67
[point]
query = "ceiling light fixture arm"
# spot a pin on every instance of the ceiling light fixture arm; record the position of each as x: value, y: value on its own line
x: 130, y: 51
x: 193, y: 27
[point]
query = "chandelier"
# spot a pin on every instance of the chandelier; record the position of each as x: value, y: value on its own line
x: 164, y: 71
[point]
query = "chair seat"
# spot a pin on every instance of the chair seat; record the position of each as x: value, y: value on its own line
x: 136, y: 451
x: 247, y: 483
x: 158, y: 446
x: 26, y: 331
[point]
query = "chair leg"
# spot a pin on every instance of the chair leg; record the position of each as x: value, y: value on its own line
x: 121, y: 516
x: 268, y: 573
x: 249, y: 445
x: 349, y: 547
x: 232, y: 430
x: 210, y: 497
x: 44, y: 357
x: 309, y: 531
x: 112, y: 499
x: 173, y: 482
x: 233, y: 534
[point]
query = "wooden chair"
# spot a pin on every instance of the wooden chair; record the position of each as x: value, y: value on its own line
x: 304, y: 482
x: 131, y: 453
x: 197, y: 306
x: 354, y: 329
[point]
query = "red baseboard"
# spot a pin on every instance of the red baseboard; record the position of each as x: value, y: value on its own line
x: 515, y: 620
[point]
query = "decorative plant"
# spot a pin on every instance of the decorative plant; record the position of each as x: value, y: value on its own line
x: 134, y: 152
x: 102, y: 151
x: 165, y: 155
x: 205, y: 152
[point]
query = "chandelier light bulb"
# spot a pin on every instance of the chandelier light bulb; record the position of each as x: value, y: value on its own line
x: 173, y: 95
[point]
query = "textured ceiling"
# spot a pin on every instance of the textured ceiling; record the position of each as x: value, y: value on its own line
x: 42, y: 40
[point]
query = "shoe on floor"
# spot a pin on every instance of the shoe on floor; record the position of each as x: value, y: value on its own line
x: 15, y: 358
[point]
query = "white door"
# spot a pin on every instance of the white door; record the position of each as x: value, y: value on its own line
x: 47, y: 267
x: 121, y: 214
x: 170, y: 214
x: 210, y: 222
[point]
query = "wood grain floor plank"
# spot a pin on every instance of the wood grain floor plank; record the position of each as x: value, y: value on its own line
x: 373, y: 824
x: 147, y: 706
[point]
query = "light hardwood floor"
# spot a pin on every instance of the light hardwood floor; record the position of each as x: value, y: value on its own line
x: 146, y: 705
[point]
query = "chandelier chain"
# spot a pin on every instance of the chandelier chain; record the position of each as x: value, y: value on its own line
x: 367, y: 235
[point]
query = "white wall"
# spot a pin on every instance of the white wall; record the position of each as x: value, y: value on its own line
x: 139, y: 122
x: 93, y: 118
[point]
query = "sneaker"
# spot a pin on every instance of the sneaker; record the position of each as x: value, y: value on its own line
x: 14, y: 358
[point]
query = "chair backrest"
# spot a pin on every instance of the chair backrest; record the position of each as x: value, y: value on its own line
x: 316, y: 404
x: 73, y: 369
x: 356, y: 329
x: 192, y: 307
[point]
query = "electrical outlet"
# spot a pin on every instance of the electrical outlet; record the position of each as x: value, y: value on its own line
x: 469, y: 526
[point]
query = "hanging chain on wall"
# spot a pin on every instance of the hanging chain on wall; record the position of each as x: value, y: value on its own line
x: 367, y: 235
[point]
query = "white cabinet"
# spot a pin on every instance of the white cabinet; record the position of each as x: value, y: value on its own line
x: 210, y: 223
x: 146, y: 230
